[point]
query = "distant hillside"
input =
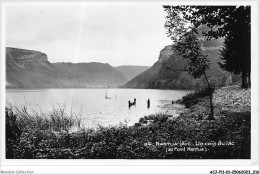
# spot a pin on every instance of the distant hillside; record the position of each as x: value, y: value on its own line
x: 131, y: 71
x: 31, y: 69
x: 159, y: 77
x: 89, y: 75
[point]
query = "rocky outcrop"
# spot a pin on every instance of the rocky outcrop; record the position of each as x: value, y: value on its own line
x: 29, y: 69
x: 165, y: 53
x: 22, y: 55
x: 160, y: 77
x: 23, y: 59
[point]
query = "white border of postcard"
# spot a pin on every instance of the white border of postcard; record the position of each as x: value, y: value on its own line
x: 67, y: 166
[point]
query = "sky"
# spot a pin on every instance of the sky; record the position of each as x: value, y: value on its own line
x: 118, y: 34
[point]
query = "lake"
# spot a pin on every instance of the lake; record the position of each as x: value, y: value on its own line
x: 95, y: 109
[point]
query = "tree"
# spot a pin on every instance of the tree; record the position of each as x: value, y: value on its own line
x: 231, y: 22
x: 190, y: 48
x: 236, y: 54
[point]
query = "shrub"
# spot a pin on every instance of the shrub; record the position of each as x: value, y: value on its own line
x: 193, y: 98
x: 12, y: 132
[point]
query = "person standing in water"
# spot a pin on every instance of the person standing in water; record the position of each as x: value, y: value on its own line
x: 148, y: 103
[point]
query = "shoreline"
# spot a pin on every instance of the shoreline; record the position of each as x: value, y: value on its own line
x: 136, y: 142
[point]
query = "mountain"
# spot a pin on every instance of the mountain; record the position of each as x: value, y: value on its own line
x: 31, y: 69
x: 131, y: 71
x: 89, y: 75
x: 159, y: 77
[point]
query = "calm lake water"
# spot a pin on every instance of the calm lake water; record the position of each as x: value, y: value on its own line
x: 94, y: 107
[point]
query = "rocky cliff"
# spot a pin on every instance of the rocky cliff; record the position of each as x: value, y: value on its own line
x: 29, y: 69
x: 158, y: 76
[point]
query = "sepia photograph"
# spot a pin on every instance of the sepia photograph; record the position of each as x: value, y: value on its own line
x: 127, y: 81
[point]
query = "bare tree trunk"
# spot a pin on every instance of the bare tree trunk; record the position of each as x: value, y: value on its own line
x: 244, y: 84
x: 249, y: 79
x: 244, y: 80
x: 211, y: 116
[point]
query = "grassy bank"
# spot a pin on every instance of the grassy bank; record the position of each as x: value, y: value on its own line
x: 158, y: 136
